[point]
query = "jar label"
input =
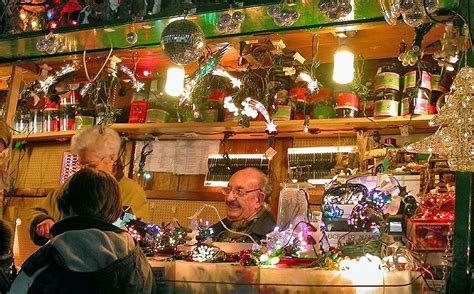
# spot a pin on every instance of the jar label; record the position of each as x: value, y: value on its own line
x: 419, y: 106
x: 387, y: 80
x: 410, y: 80
x: 436, y: 84
x: 82, y: 120
x: 283, y: 113
x: 347, y: 100
x: 386, y: 108
x: 157, y: 115
x: 320, y: 112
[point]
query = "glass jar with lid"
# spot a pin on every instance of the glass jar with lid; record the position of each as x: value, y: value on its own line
x: 387, y: 91
x: 416, y: 92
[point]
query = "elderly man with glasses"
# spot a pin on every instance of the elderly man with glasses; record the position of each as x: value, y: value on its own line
x: 247, y: 211
x: 98, y: 149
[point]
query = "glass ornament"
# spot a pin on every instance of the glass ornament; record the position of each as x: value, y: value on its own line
x: 183, y: 41
x: 132, y: 38
x: 225, y: 19
x: 273, y: 10
x: 41, y: 45
x: 238, y: 17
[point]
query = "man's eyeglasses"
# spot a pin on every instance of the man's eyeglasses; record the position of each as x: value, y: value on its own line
x: 238, y: 192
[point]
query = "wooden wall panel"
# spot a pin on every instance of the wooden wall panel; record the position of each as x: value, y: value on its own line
x: 38, y: 166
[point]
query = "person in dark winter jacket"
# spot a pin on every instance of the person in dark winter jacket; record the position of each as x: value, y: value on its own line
x: 87, y: 254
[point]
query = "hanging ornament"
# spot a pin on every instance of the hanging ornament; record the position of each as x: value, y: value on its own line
x: 137, y: 85
x: 132, y: 38
x: 183, y: 41
x: 335, y: 9
x: 448, y: 56
x: 283, y: 15
x: 413, y: 12
x: 51, y: 43
x: 201, y: 72
x: 391, y: 10
x: 53, y: 79
x: 230, y: 22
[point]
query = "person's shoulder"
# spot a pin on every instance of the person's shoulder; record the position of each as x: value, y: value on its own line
x: 265, y: 223
x: 127, y: 184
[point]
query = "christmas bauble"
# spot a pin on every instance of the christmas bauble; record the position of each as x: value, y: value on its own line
x: 132, y: 38
x: 183, y: 41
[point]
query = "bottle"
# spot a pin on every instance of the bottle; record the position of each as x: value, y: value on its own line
x: 416, y: 92
x: 22, y: 121
x: 50, y: 116
x: 387, y: 91
x: 36, y: 122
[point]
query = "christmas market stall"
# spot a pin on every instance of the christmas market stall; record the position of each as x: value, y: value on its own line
x: 357, y: 116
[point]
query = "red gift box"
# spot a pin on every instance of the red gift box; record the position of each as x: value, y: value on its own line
x: 138, y: 112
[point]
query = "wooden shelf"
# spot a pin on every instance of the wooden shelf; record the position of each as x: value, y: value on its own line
x: 216, y: 130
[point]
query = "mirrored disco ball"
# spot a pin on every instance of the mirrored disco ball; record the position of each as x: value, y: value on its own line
x: 183, y: 41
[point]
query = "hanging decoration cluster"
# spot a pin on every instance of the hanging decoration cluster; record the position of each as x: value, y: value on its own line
x: 283, y: 15
x: 455, y: 136
x: 414, y: 12
x: 51, y: 43
x: 230, y: 22
x: 335, y: 9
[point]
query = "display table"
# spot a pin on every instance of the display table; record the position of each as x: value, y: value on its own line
x: 193, y: 277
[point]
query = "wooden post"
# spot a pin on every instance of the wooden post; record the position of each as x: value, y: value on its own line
x: 13, y: 94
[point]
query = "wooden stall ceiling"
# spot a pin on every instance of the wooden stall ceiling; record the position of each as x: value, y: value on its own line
x: 371, y: 41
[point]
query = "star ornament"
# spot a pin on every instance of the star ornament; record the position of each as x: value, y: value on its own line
x: 271, y: 128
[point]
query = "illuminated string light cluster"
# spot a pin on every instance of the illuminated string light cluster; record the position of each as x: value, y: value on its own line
x: 204, y: 253
x: 437, y: 207
x: 153, y: 238
x: 45, y: 84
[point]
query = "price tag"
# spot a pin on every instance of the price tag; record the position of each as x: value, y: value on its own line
x: 404, y: 131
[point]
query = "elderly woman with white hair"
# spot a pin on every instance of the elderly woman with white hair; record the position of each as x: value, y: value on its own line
x: 97, y: 148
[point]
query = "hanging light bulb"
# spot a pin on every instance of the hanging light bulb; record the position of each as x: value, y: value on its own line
x: 174, y: 81
x: 343, y: 65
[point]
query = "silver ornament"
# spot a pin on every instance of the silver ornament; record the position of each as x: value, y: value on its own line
x: 183, y: 41
x: 273, y: 10
x: 295, y: 15
x: 41, y: 45
x: 225, y: 19
x: 132, y: 38
x: 238, y: 17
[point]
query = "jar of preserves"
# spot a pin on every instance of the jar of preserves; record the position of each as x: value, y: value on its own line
x: 438, y: 90
x: 416, y: 93
x: 347, y: 104
x: 387, y: 91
